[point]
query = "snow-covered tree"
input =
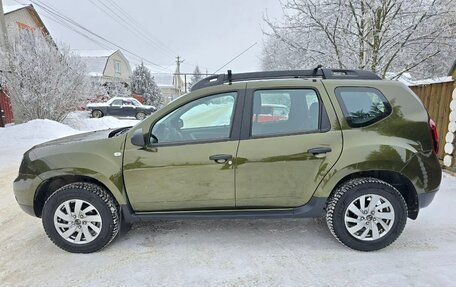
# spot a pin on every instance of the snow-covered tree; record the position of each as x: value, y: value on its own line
x: 44, y: 82
x: 142, y: 83
x: 116, y: 89
x: 379, y: 35
x: 195, y: 77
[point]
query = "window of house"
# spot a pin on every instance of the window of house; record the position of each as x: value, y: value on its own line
x: 362, y: 106
x: 117, y: 69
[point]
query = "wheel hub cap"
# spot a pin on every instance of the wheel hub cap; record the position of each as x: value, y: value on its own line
x: 77, y: 221
x: 369, y: 217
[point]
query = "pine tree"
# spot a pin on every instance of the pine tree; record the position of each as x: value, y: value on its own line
x: 142, y: 83
x: 195, y: 77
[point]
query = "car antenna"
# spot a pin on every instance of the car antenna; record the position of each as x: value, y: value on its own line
x: 230, y: 78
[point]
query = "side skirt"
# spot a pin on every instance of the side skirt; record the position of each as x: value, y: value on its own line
x: 314, y: 208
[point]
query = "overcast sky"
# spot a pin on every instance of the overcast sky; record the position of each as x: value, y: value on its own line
x: 204, y: 32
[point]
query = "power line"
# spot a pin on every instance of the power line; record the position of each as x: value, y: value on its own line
x: 130, y: 19
x: 127, y: 25
x: 236, y: 57
x: 59, y: 15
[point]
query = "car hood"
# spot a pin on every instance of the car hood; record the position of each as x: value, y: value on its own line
x: 78, y: 138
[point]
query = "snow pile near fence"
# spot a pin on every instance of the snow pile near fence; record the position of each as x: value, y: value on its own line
x: 16, y: 139
x: 81, y: 121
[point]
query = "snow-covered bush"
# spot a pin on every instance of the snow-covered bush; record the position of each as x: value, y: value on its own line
x: 45, y: 81
x: 116, y: 89
x: 142, y: 83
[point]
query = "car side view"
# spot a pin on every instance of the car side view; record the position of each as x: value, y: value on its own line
x: 340, y: 144
x: 122, y: 107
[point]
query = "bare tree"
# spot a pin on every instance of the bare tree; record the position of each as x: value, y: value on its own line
x: 45, y: 82
x: 379, y: 35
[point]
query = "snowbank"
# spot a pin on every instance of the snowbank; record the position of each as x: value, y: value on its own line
x: 16, y: 139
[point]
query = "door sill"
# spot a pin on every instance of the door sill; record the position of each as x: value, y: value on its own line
x: 313, y: 208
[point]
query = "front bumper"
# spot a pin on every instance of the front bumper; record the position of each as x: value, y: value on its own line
x: 24, y: 187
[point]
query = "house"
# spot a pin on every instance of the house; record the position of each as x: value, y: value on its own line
x: 106, y: 65
x: 22, y: 17
x: 165, y: 83
x: 17, y: 18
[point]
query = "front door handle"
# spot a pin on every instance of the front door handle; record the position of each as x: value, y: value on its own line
x: 220, y: 158
x: 319, y: 150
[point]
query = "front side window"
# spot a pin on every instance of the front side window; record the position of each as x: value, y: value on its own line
x: 289, y: 111
x: 362, y: 106
x: 205, y: 119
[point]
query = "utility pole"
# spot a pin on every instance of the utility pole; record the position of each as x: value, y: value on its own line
x: 4, y: 53
x: 4, y: 46
x: 177, y: 76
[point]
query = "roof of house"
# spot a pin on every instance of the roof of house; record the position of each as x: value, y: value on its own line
x: 10, y: 8
x: 95, y: 60
x: 163, y: 80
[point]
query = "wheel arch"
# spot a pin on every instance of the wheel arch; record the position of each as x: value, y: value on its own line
x: 48, y: 186
x: 396, y: 179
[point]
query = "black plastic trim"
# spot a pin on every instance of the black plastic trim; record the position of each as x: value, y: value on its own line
x: 424, y: 199
x: 314, y: 208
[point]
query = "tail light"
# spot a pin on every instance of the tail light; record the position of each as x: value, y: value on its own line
x: 435, y: 135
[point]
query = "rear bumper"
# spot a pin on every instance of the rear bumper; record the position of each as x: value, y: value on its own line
x: 424, y: 199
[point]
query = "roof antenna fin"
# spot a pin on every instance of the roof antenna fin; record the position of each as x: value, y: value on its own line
x: 230, y: 78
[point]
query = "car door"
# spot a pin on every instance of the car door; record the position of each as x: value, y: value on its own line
x: 281, y: 161
x: 128, y: 108
x: 188, y: 163
x: 115, y: 108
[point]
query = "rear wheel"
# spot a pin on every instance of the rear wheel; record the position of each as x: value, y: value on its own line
x: 366, y: 214
x: 81, y: 218
x: 97, y: 114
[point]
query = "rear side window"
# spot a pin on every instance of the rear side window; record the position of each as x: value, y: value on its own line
x: 281, y: 112
x: 362, y: 106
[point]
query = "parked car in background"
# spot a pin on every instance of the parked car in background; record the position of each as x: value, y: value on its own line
x: 120, y: 107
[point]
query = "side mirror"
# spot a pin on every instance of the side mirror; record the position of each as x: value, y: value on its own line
x: 138, y: 138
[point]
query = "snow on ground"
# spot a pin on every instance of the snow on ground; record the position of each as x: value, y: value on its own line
x: 274, y: 252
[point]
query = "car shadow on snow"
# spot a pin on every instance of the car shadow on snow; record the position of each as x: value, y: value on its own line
x: 311, y: 233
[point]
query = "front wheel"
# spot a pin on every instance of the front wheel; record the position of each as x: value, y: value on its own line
x: 366, y: 214
x: 140, y: 116
x: 81, y: 218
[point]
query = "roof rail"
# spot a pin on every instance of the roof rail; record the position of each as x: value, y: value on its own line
x: 338, y: 74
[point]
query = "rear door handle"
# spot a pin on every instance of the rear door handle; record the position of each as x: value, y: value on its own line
x: 319, y: 150
x: 220, y: 158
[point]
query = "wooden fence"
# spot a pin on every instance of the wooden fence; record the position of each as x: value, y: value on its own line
x: 437, y: 97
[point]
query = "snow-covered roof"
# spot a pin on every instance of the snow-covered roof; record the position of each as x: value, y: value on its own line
x: 11, y: 8
x: 95, y: 60
x: 163, y: 80
x: 94, y: 53
x: 431, y: 81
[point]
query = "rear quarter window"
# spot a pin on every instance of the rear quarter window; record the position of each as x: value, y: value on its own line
x: 362, y: 106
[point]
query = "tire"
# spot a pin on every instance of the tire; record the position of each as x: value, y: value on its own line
x: 80, y: 234
x: 140, y: 116
x: 97, y: 114
x: 347, y: 219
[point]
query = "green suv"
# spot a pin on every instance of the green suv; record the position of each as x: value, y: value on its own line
x: 346, y: 145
